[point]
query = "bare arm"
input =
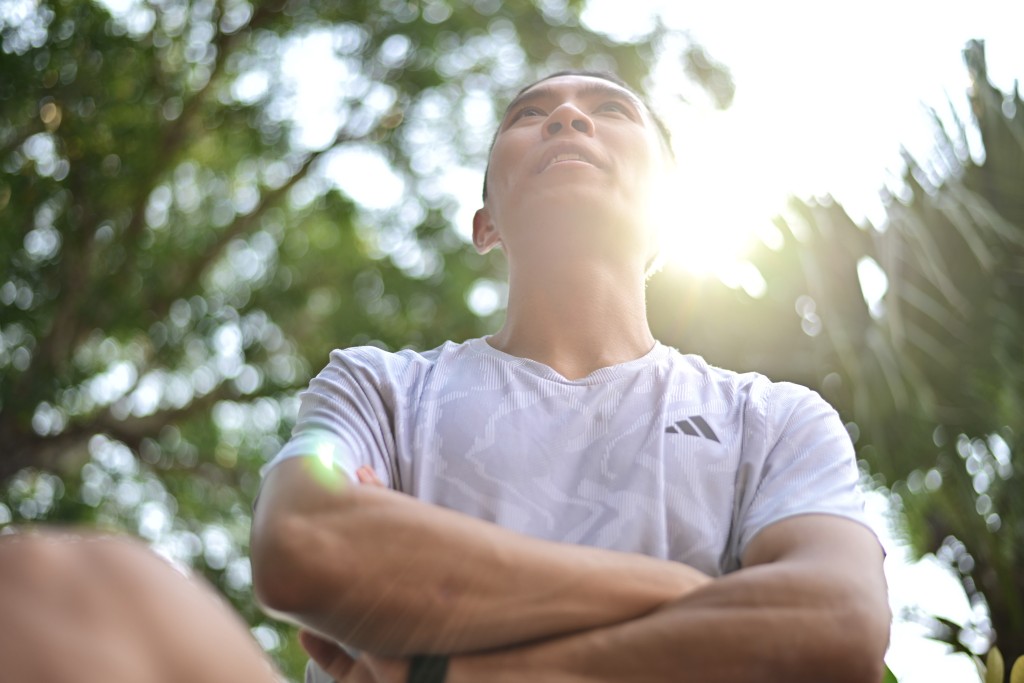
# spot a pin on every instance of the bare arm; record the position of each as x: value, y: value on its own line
x: 809, y: 606
x: 392, y: 575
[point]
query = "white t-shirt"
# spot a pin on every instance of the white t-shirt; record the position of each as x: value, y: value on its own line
x: 663, y: 455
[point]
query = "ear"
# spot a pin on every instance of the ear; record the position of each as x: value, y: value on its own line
x: 485, y: 234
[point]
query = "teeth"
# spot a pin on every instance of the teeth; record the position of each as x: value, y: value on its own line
x: 567, y: 157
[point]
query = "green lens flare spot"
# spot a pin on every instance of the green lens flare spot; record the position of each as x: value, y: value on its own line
x: 325, y: 468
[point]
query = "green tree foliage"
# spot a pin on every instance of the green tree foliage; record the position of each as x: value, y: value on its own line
x: 175, y: 262
x: 931, y: 376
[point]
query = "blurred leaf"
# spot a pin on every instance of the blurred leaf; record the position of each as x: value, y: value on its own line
x: 1017, y: 672
x: 994, y: 666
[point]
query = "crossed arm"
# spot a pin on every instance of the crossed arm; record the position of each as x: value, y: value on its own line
x: 810, y: 606
x: 394, y: 576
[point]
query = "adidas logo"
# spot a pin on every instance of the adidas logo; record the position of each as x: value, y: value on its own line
x: 695, y: 425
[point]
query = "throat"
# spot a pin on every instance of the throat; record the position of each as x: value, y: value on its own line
x: 576, y: 335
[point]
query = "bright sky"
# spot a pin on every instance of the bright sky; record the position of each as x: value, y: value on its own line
x: 825, y: 98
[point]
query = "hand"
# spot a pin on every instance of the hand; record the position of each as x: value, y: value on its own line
x: 337, y: 663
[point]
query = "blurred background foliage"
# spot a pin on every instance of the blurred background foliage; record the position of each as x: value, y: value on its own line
x: 914, y: 330
x: 176, y: 260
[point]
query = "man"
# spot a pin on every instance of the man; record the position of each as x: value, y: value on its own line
x: 567, y: 499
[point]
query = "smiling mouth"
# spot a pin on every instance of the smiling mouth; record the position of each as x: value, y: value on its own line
x: 568, y: 156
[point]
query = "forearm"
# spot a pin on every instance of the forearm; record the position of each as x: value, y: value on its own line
x: 392, y: 575
x: 768, y: 623
x: 810, y: 605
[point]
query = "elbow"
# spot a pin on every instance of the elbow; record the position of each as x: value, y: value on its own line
x: 857, y: 668
x: 860, y: 647
x: 276, y: 563
x: 297, y: 556
x: 297, y: 547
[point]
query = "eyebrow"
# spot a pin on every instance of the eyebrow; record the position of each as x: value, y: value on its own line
x: 589, y: 89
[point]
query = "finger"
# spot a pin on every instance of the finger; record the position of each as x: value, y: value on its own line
x: 386, y: 668
x: 368, y: 476
x: 330, y: 657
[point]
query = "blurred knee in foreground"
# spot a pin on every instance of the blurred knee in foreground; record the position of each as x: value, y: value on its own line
x: 78, y: 606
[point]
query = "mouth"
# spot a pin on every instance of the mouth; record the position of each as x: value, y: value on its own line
x: 566, y: 157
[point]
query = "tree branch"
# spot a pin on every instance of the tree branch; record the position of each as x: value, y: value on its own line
x: 67, y: 327
x: 241, y: 225
x: 52, y: 453
x: 171, y: 139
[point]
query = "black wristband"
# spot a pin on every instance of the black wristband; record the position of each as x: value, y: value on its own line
x: 428, y: 669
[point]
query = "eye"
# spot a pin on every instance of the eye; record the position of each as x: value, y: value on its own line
x: 528, y: 111
x: 615, y: 107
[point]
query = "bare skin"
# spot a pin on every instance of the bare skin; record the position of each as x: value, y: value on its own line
x: 801, y: 610
x: 577, y: 236
x: 85, y: 608
x: 423, y: 590
x: 805, y: 576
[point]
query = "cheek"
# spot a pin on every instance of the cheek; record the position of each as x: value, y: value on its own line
x: 498, y: 182
x: 506, y: 156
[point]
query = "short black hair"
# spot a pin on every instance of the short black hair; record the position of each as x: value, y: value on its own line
x: 663, y: 133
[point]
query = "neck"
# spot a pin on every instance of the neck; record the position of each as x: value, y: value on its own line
x: 576, y: 320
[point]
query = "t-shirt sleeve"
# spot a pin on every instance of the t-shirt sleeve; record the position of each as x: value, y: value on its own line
x: 346, y: 416
x: 804, y: 463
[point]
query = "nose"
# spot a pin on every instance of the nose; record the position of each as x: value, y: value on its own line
x: 568, y: 116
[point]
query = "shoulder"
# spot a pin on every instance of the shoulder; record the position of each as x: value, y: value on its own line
x: 759, y: 386
x: 752, y: 389
x: 768, y: 408
x: 380, y: 360
x: 373, y: 366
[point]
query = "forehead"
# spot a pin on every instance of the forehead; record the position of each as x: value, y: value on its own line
x: 574, y: 86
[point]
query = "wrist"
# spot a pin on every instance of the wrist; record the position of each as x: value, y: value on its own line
x: 428, y: 669
x: 553, y: 661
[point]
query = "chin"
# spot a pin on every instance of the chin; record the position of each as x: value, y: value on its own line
x: 586, y: 200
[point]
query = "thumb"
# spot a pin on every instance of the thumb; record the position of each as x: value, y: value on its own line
x: 330, y: 656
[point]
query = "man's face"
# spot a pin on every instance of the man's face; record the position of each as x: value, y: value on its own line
x: 576, y: 159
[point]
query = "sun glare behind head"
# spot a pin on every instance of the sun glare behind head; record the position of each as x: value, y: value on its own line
x: 719, y: 199
x: 703, y: 230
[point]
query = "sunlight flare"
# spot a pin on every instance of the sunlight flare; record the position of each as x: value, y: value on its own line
x: 719, y: 202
